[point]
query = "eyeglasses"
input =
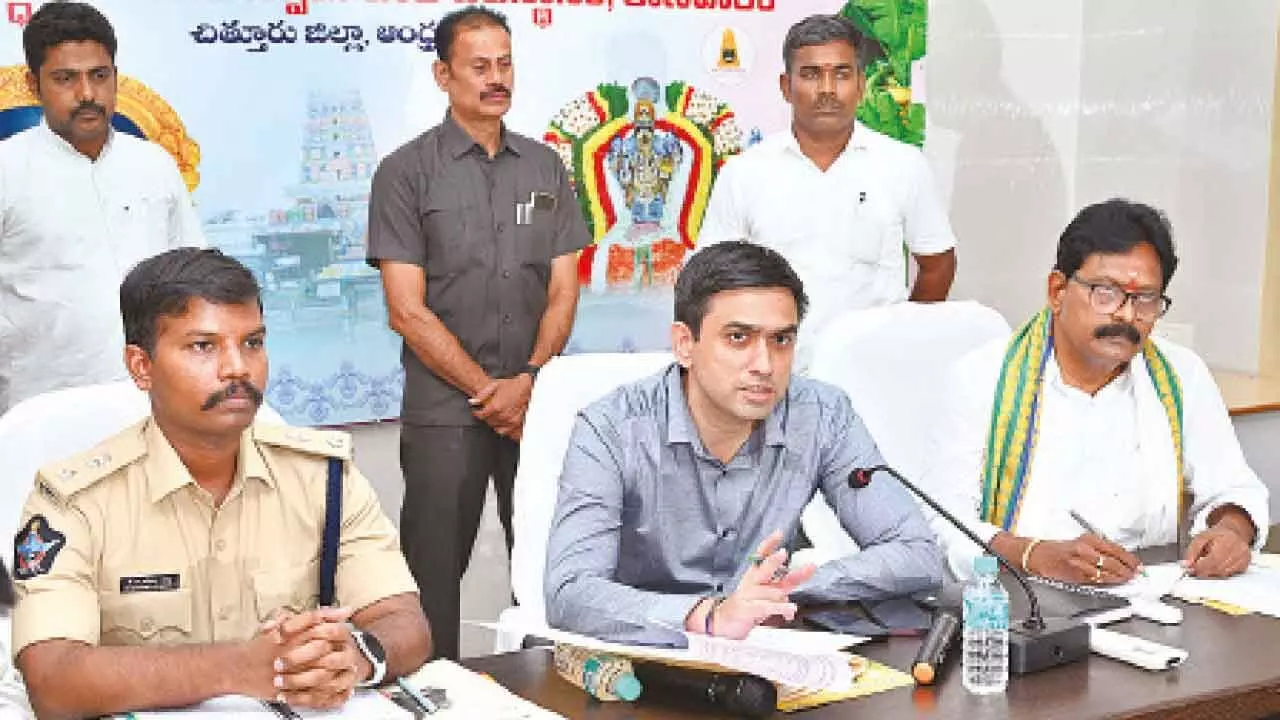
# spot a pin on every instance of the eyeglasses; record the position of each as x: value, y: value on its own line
x: 1107, y: 299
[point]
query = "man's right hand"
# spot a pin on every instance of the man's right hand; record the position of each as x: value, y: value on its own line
x: 314, y: 664
x: 1077, y: 561
x: 758, y: 597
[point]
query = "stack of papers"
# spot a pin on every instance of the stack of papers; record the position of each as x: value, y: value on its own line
x: 366, y: 704
x: 1255, y: 590
x: 788, y: 657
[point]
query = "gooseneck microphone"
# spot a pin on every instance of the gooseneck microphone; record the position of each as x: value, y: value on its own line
x: 747, y: 696
x: 1035, y: 643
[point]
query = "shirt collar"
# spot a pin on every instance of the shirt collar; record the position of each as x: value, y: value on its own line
x: 60, y: 143
x: 857, y: 141
x: 167, y: 473
x: 458, y: 143
x: 680, y: 427
x: 1119, y: 384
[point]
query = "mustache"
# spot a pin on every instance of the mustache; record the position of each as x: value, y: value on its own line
x: 89, y: 107
x: 495, y: 90
x: 1123, y: 330
x: 234, y: 389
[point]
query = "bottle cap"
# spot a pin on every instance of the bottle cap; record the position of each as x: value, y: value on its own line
x: 985, y: 565
x: 627, y: 687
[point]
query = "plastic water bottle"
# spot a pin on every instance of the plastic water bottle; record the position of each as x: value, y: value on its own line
x: 604, y: 677
x: 986, y: 630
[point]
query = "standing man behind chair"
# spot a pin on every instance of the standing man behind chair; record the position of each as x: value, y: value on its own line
x: 476, y: 231
x: 80, y: 203
x: 835, y: 197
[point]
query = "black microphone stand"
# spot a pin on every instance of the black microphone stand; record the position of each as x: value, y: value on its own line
x: 1036, y: 643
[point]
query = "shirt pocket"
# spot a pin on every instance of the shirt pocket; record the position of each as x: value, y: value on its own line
x: 446, y: 226
x: 146, y: 618
x: 536, y: 215
x: 141, y: 226
x: 295, y: 589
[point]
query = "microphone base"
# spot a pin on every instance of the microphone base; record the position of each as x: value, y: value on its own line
x: 1060, y: 641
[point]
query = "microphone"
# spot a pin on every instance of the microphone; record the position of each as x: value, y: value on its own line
x: 741, y: 695
x: 1036, y: 643
x: 933, y: 649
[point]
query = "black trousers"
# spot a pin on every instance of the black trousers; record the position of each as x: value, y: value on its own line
x: 446, y: 475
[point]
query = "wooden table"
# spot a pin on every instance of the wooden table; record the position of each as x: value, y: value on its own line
x: 1233, y: 672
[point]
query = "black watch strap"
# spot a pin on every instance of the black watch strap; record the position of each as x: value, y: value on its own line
x: 532, y: 370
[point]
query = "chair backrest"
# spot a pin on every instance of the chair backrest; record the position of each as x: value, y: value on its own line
x: 891, y: 361
x: 565, y: 385
x: 55, y: 425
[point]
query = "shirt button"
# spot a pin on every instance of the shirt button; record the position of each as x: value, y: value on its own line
x: 506, y: 273
x: 501, y: 226
x: 506, y: 319
x: 147, y: 625
x: 220, y: 545
x: 224, y: 613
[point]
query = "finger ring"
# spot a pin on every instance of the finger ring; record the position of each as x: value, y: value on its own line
x: 1097, y: 575
x: 1098, y: 564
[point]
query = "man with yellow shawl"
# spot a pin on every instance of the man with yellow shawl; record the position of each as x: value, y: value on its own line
x: 1082, y: 438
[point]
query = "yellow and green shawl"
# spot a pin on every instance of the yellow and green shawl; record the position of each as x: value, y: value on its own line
x: 1011, y: 439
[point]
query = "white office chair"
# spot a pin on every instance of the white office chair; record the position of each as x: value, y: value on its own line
x: 565, y: 385
x: 891, y: 361
x: 55, y: 425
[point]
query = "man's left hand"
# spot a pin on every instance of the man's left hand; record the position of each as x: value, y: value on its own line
x: 1217, y: 553
x: 319, y: 663
x: 502, y: 404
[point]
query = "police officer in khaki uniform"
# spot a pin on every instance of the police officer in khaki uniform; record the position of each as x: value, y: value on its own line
x: 195, y: 534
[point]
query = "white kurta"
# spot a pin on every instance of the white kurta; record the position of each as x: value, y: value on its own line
x: 842, y: 230
x: 70, y: 229
x: 1109, y: 457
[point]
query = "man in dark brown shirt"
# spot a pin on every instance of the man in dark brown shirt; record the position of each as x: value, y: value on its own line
x: 476, y: 232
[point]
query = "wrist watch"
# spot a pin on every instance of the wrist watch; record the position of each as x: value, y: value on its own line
x: 373, y: 652
x: 532, y: 370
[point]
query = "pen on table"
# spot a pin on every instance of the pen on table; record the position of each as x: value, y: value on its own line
x: 1089, y: 528
x: 282, y: 709
x: 423, y: 701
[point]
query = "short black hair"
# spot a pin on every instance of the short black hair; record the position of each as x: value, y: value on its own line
x: 732, y: 265
x: 59, y: 22
x: 824, y: 29
x: 470, y: 16
x: 1114, y: 227
x: 164, y: 284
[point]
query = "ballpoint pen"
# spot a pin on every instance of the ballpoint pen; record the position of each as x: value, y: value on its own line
x: 1089, y: 528
x: 428, y: 706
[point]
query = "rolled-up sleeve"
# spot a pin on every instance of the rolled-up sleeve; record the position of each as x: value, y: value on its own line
x: 370, y: 564
x: 56, y: 598
x: 898, y: 551
x: 582, y: 594
x: 1216, y: 469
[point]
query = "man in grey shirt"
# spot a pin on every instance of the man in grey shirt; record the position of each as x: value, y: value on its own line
x: 670, y: 483
x: 476, y: 231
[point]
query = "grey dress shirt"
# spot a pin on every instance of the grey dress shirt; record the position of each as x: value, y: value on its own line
x: 647, y: 521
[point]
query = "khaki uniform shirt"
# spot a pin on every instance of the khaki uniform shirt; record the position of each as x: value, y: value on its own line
x: 120, y: 546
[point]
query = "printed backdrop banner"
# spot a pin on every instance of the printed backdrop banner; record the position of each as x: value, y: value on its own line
x: 278, y: 112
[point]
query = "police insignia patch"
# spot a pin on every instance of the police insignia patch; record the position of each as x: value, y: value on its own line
x: 35, y: 548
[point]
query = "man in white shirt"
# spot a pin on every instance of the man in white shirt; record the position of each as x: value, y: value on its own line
x: 80, y: 204
x: 837, y: 199
x: 1083, y: 412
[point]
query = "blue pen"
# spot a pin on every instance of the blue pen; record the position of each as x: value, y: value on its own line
x: 423, y: 701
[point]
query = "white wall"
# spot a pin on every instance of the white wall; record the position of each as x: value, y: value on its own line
x: 1038, y: 107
